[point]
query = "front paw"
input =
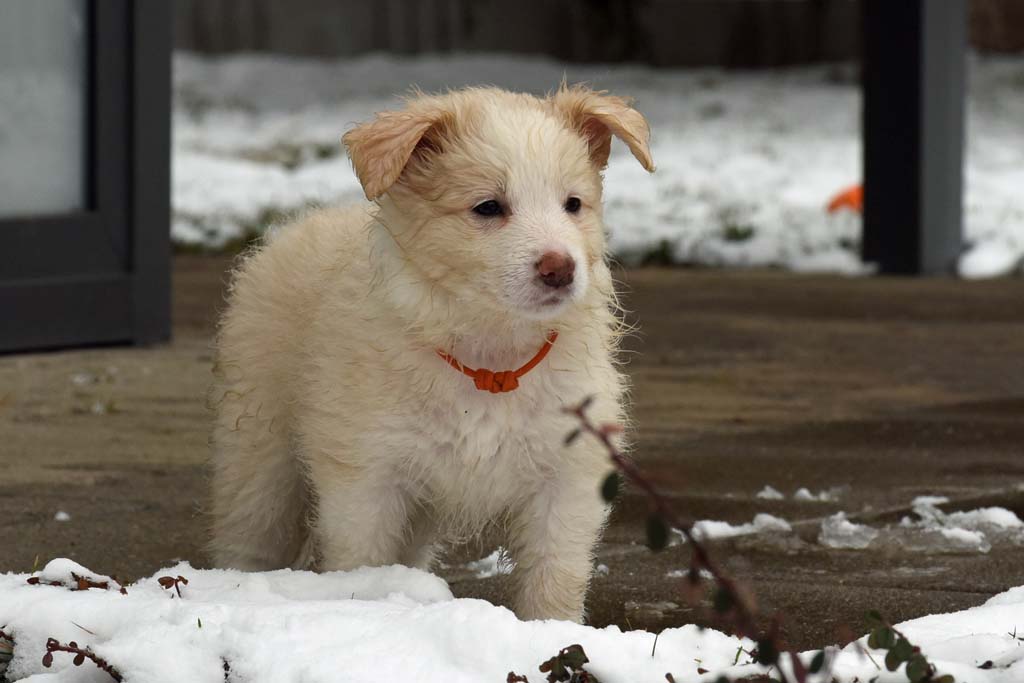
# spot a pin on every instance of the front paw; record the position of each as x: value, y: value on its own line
x: 552, y: 593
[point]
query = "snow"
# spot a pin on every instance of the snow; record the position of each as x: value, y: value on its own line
x: 989, y: 259
x: 931, y: 531
x: 746, y: 160
x: 802, y: 494
x: 62, y: 516
x: 374, y: 624
x: 495, y: 564
x: 396, y: 623
x: 769, y: 493
x: 839, y: 532
x: 763, y: 522
x: 683, y: 573
x: 962, y: 641
x: 820, y: 497
x: 66, y: 573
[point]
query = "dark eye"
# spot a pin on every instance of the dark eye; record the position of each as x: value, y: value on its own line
x: 573, y: 204
x: 489, y: 208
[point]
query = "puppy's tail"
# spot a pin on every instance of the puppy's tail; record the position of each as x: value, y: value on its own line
x: 260, y: 504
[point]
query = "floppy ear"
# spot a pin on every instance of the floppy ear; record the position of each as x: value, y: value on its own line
x: 597, y: 116
x: 381, y: 148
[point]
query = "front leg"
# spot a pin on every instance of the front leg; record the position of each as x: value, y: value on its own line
x: 553, y: 537
x: 361, y: 518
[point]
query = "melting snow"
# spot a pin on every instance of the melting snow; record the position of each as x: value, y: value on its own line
x: 971, y: 531
x: 839, y: 532
x: 494, y: 564
x: 763, y: 522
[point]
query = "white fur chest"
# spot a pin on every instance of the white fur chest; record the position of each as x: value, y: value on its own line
x: 473, y: 453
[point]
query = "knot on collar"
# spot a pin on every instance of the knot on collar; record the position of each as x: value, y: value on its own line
x: 495, y: 382
x: 502, y: 381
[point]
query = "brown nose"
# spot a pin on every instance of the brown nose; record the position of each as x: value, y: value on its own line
x: 556, y: 270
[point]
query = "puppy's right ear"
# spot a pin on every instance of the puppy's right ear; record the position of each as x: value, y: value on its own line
x: 381, y: 148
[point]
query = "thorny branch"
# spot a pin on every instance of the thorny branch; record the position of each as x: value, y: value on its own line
x: 729, y: 599
x: 53, y: 645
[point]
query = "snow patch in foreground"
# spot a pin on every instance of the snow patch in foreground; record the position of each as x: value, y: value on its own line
x: 396, y: 623
x: 373, y: 624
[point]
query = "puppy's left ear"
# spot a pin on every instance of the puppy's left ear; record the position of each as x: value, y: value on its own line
x: 381, y: 148
x: 597, y: 116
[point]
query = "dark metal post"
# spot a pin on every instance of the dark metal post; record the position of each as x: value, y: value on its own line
x: 914, y: 92
x: 151, y: 169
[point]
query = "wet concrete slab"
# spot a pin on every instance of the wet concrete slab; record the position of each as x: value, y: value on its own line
x: 875, y: 390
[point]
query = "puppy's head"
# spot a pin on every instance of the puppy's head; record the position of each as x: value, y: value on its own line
x: 496, y: 196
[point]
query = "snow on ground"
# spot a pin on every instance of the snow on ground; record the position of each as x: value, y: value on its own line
x: 969, y: 531
x: 746, y: 160
x: 395, y: 623
x: 930, y: 530
x: 707, y: 529
x: 803, y: 494
x: 839, y: 532
x: 769, y: 492
x: 495, y: 564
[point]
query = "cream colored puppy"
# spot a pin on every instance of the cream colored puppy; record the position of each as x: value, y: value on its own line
x: 368, y: 398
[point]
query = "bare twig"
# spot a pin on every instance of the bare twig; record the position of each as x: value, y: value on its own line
x: 81, y: 654
x: 82, y: 583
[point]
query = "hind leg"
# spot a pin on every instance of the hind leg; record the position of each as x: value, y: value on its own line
x: 421, y: 544
x: 258, y: 505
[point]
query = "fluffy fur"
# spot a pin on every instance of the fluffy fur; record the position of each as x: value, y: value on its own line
x: 341, y: 438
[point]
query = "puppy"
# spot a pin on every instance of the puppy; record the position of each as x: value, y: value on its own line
x: 394, y: 374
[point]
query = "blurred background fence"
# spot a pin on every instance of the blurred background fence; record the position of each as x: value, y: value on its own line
x: 728, y: 33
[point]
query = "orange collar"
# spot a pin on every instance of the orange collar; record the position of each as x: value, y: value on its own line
x: 505, y: 380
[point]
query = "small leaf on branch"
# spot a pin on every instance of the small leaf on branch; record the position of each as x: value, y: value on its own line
x: 610, y: 487
x: 572, y: 436
x: 657, y: 533
x: 574, y: 657
x: 917, y: 668
x: 723, y: 600
x: 886, y: 637
x: 817, y: 662
x: 902, y: 650
x: 767, y: 653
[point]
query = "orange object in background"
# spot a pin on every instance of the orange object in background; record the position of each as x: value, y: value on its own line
x: 851, y: 198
